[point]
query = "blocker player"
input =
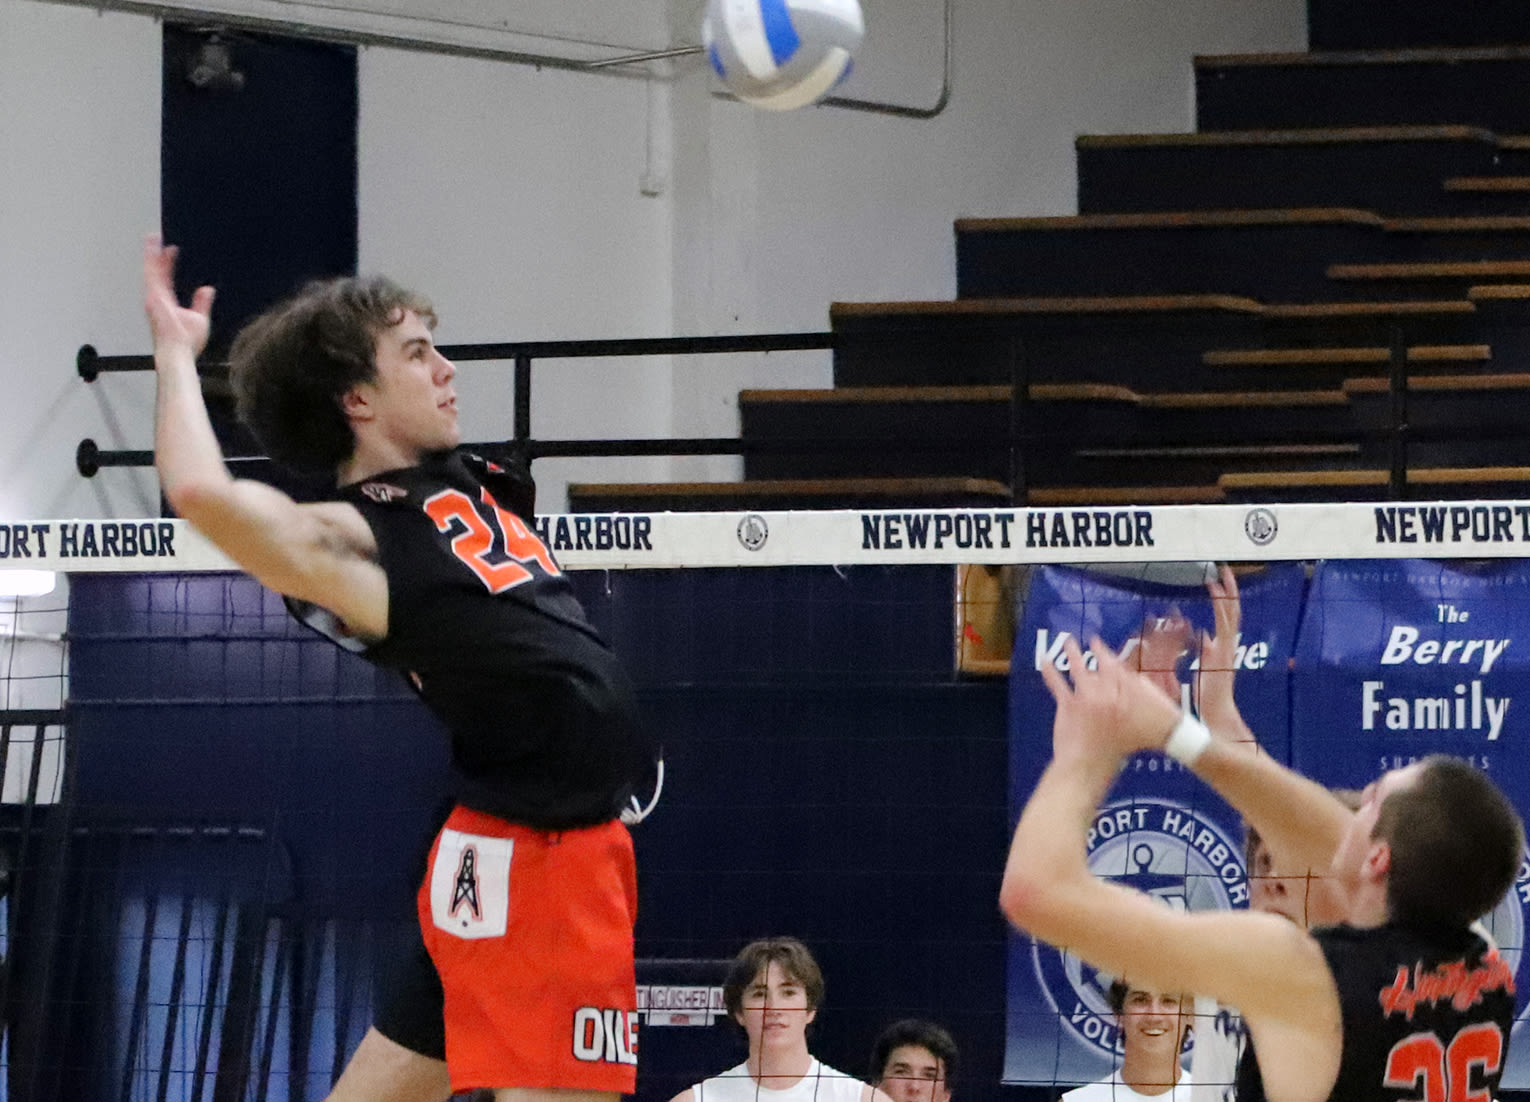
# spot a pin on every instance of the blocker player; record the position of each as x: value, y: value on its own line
x: 1404, y: 1000
x: 426, y: 562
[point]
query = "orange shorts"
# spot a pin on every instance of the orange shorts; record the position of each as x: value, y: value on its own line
x: 531, y: 932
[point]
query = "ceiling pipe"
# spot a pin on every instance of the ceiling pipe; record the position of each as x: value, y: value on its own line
x: 631, y: 65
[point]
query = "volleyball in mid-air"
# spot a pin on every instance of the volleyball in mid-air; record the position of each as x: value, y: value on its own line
x: 782, y: 54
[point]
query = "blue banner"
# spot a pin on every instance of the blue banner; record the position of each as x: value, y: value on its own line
x: 1402, y: 658
x: 1161, y: 830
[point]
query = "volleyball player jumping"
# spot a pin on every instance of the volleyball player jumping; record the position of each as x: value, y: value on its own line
x: 425, y: 562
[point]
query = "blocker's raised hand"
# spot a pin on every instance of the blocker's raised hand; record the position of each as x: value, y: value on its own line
x: 173, y: 325
x: 1108, y: 710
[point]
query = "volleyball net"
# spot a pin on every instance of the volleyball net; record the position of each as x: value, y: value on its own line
x: 213, y: 819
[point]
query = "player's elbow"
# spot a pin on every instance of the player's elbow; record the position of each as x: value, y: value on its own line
x: 195, y: 500
x: 1026, y: 900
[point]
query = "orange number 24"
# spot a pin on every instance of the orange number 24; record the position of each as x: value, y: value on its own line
x: 495, y: 544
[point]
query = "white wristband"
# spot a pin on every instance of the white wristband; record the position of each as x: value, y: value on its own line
x: 1188, y: 740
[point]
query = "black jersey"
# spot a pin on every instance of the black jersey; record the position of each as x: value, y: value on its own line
x: 488, y: 630
x: 1424, y: 1017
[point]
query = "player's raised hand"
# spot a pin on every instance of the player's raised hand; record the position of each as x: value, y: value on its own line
x: 1110, y: 710
x: 172, y: 325
x: 1218, y: 666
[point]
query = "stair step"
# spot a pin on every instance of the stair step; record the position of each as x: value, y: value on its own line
x: 1159, y: 465
x: 909, y: 431
x: 1135, y: 340
x: 1388, y: 24
x: 1486, y: 87
x: 1271, y: 255
x: 1389, y: 170
x: 1274, y: 254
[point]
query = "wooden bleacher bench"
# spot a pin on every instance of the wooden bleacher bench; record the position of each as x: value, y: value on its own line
x: 1499, y: 292
x: 1072, y: 306
x: 1059, y: 496
x: 1460, y: 223
x: 1444, y: 384
x: 1488, y: 184
x: 1371, y: 484
x: 1442, y: 270
x: 1061, y: 306
x: 848, y: 493
x: 1344, y: 357
x: 1226, y: 452
x: 1045, y: 392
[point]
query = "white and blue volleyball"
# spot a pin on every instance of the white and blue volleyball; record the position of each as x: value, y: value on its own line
x: 782, y: 54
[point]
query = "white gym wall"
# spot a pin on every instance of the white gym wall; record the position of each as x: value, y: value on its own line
x: 543, y: 204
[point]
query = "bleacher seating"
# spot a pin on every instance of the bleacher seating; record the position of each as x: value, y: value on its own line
x: 1326, y: 286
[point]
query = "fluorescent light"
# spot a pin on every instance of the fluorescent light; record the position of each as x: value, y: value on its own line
x: 26, y: 583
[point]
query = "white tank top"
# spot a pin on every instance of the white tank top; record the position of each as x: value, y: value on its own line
x: 1214, y: 1055
x: 821, y: 1084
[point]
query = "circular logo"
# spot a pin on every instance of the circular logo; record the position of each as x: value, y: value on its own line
x: 1260, y: 527
x: 753, y: 532
x: 1165, y: 849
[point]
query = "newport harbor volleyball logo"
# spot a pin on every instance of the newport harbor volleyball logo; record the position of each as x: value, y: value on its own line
x: 1165, y: 849
x: 753, y: 532
x: 1260, y: 526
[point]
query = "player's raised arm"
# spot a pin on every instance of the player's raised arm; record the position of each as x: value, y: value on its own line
x: 1049, y: 891
x: 312, y: 552
x: 1299, y: 820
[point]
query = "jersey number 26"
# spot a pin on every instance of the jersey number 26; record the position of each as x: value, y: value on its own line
x: 1445, y: 1074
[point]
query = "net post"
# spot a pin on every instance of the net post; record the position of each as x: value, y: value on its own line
x: 1018, y: 395
x: 1397, y: 437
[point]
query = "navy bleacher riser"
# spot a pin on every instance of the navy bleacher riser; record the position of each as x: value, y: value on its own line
x: 1054, y: 431
x: 1144, y: 350
x: 1490, y: 89
x: 1401, y: 24
x: 1272, y: 263
x: 1149, y: 352
x: 976, y: 430
x: 1396, y: 176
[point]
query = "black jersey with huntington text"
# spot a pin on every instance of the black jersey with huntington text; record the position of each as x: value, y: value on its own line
x: 1425, y: 1017
x: 487, y: 628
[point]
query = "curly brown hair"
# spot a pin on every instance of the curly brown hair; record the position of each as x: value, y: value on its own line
x: 291, y: 366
